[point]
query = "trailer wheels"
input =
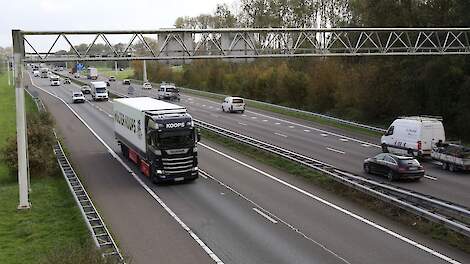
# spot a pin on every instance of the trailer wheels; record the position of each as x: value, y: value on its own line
x: 452, y: 168
x: 124, y: 150
x: 384, y: 148
x: 444, y: 166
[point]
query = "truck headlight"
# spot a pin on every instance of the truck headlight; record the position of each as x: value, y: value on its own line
x: 195, y: 168
x: 158, y: 152
x: 159, y: 172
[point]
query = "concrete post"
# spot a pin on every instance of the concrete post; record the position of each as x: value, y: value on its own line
x: 8, y: 70
x: 144, y: 77
x: 115, y: 69
x: 18, y: 55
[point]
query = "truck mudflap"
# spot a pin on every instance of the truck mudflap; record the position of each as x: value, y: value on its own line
x: 145, y: 168
x: 133, y: 156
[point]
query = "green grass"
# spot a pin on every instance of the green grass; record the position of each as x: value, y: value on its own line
x: 127, y: 73
x: 54, y: 220
x: 285, y: 112
x: 436, y: 231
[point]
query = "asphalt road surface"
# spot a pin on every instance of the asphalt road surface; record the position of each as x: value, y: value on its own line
x: 343, y: 149
x: 243, y: 211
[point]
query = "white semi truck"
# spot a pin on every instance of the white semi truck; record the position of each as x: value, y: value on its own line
x: 44, y: 72
x: 157, y: 136
x: 92, y: 73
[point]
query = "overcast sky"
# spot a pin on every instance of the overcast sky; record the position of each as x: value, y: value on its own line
x: 96, y: 14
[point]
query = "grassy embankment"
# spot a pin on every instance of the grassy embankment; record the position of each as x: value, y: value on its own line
x: 53, y: 222
x: 127, y: 73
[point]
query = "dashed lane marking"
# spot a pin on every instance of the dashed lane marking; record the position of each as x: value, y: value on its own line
x: 265, y: 215
x: 335, y: 150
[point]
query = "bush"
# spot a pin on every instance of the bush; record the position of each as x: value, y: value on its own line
x: 70, y: 254
x: 40, y: 143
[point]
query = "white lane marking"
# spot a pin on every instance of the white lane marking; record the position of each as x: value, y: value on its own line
x: 265, y: 120
x: 203, y: 176
x: 281, y: 135
x: 244, y: 115
x: 203, y: 105
x: 277, y: 123
x: 365, y: 145
x: 430, y: 177
x: 265, y: 215
x: 335, y: 150
x: 339, y: 208
x: 142, y: 183
x: 243, y: 124
x: 211, y: 107
x: 306, y: 130
x: 291, y: 126
x: 324, y: 135
x: 214, y: 115
x: 273, y: 216
x: 253, y: 117
x: 313, y: 128
x: 343, y: 139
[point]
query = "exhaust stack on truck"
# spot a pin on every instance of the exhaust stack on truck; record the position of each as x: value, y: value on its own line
x: 157, y: 136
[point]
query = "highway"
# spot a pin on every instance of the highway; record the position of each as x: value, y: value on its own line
x: 343, y: 149
x: 243, y: 211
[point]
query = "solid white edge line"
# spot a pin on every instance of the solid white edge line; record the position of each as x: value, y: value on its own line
x: 264, y: 215
x: 430, y: 177
x: 148, y: 189
x: 339, y: 208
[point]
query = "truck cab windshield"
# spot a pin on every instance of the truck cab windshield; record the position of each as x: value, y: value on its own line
x: 176, y: 139
x: 100, y: 90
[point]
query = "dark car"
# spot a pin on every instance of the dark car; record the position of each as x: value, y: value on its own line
x: 107, y: 83
x: 394, y: 167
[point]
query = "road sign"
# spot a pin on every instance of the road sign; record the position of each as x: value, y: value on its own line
x: 79, y: 66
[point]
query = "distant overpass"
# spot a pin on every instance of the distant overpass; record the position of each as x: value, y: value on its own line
x: 250, y: 43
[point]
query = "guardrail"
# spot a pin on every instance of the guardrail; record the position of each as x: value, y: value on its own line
x: 451, y: 215
x: 95, y: 224
x: 98, y: 230
x: 323, y: 116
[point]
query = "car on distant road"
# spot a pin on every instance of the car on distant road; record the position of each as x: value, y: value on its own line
x: 86, y: 89
x: 112, y: 79
x: 233, y: 104
x: 67, y: 81
x: 108, y: 83
x: 36, y: 73
x: 394, y: 167
x: 126, y: 82
x: 78, y: 97
x: 76, y: 75
x: 147, y: 85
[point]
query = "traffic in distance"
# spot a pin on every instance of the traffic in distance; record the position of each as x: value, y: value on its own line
x: 407, y: 142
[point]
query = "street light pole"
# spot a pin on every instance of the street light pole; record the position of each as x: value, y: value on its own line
x: 18, y: 55
x: 8, y: 70
x: 144, y: 78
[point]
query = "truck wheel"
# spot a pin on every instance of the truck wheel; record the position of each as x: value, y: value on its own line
x: 223, y: 110
x: 367, y: 168
x: 452, y: 168
x: 384, y: 148
x: 445, y: 166
x: 124, y: 150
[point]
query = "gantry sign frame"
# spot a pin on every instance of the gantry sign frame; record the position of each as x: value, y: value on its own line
x: 242, y: 43
x: 237, y: 44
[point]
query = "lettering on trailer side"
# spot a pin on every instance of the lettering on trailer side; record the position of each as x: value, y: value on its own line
x: 126, y: 121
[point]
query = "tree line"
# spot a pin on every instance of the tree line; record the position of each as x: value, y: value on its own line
x: 373, y: 89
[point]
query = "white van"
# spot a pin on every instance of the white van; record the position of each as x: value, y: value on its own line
x: 415, y: 135
x: 99, y: 91
x: 233, y: 104
x: 55, y: 81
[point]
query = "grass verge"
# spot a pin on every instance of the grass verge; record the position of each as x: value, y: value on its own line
x: 436, y: 231
x: 54, y: 220
x: 127, y: 73
x: 285, y: 112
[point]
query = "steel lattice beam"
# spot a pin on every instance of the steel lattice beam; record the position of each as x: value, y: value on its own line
x: 243, y: 43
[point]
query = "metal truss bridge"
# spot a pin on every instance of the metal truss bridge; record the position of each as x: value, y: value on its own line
x: 240, y: 44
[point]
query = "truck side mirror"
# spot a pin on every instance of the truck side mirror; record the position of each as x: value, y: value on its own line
x: 198, y: 135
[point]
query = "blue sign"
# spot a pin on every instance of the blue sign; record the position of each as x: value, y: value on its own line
x: 79, y: 66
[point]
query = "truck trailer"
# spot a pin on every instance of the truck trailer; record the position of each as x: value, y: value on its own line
x: 157, y: 136
x: 92, y: 73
